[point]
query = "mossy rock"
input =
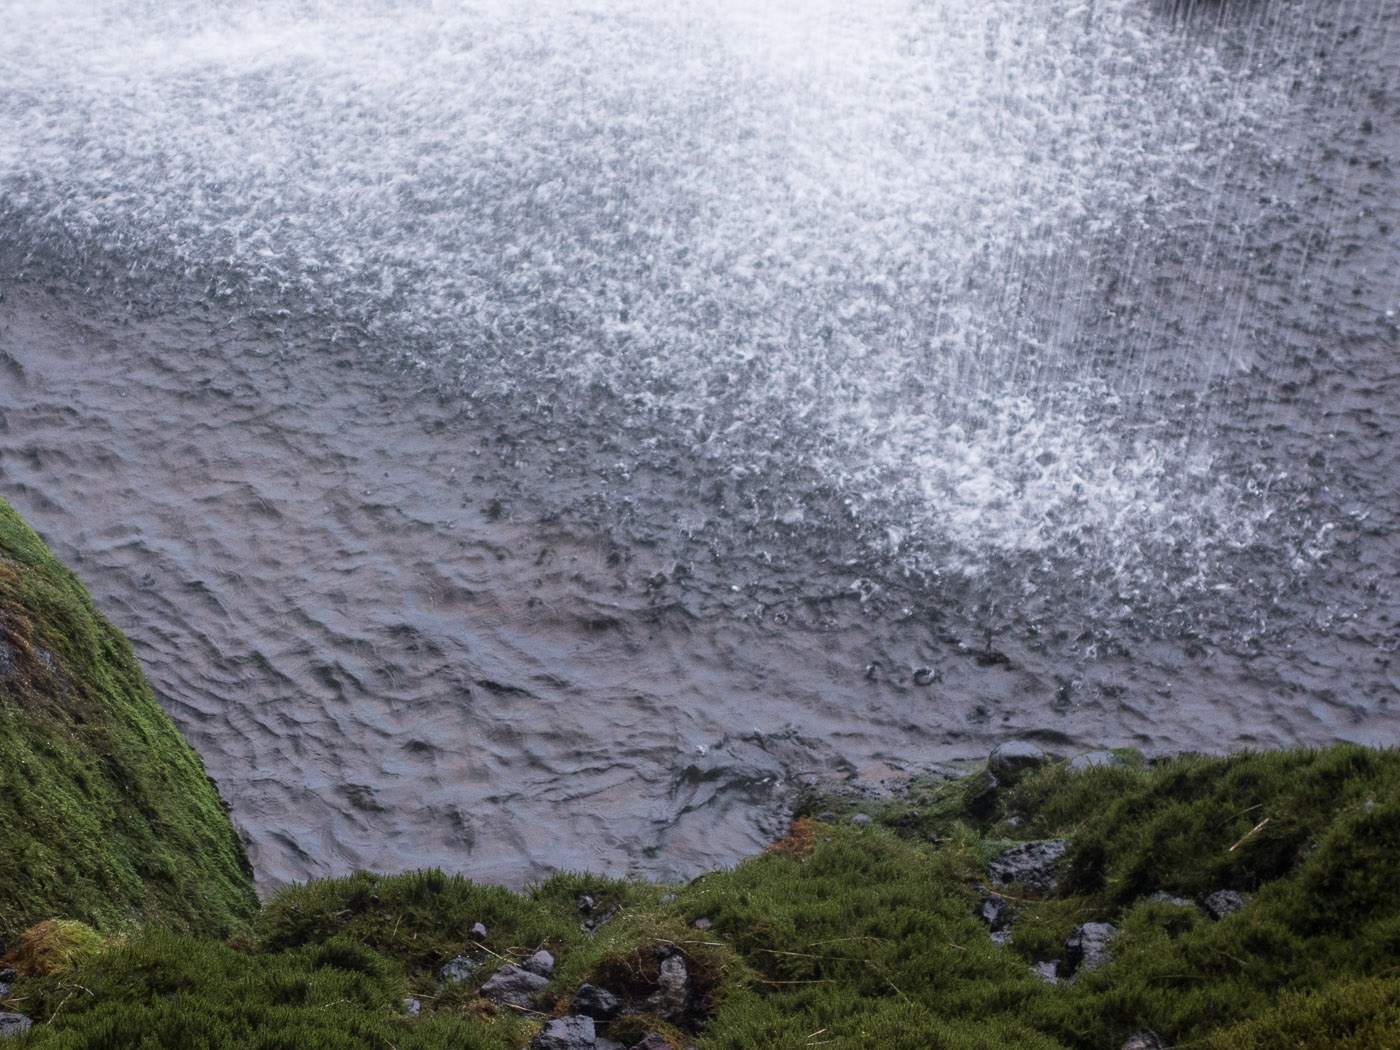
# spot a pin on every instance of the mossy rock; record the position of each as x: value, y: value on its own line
x: 106, y: 815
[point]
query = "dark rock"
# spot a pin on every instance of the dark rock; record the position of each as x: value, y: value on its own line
x: 14, y: 1024
x: 1087, y: 947
x: 586, y: 904
x: 512, y: 986
x: 1046, y: 971
x: 566, y: 1033
x: 600, y: 919
x: 982, y: 795
x: 478, y: 931
x: 671, y: 999
x: 597, y: 1003
x: 1143, y: 1039
x: 412, y: 1006
x: 541, y: 963
x: 1094, y: 760
x: 653, y: 1041
x: 457, y: 970
x: 1031, y: 863
x: 604, y: 1043
x: 1008, y: 761
x: 862, y: 820
x: 997, y: 913
x: 1224, y: 902
x: 7, y: 977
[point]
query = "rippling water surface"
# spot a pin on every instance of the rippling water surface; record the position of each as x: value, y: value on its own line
x: 521, y: 436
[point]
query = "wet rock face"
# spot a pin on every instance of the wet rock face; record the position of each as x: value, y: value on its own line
x: 1030, y: 863
x: 512, y: 986
x: 1087, y: 947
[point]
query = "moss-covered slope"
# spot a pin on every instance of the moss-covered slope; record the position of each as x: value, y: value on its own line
x: 105, y: 814
x: 862, y: 929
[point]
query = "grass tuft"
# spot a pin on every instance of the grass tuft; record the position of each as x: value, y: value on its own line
x: 52, y: 947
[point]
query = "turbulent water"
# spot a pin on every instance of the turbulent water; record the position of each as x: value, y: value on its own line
x: 521, y: 436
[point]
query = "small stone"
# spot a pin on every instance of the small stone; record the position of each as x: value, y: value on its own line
x: 1087, y: 947
x: 512, y: 986
x: 982, y: 795
x: 1094, y: 760
x: 478, y: 931
x: 455, y: 971
x: 566, y: 1033
x: 586, y: 903
x: 1047, y: 971
x: 601, y: 918
x: 653, y: 1041
x: 703, y: 924
x: 1224, y: 902
x: 412, y: 1006
x: 862, y: 820
x: 541, y: 963
x: 1143, y: 1039
x: 1166, y: 898
x: 1000, y: 936
x: 604, y: 1043
x: 671, y: 999
x: 1008, y: 761
x: 996, y: 913
x: 14, y: 1024
x: 597, y: 1003
x: 1030, y: 863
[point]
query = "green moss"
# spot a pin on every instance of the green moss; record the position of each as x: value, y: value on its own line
x: 1346, y: 1015
x: 165, y: 989
x: 105, y: 814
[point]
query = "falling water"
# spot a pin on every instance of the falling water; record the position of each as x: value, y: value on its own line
x: 521, y: 436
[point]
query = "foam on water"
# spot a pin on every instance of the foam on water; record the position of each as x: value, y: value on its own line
x: 848, y: 221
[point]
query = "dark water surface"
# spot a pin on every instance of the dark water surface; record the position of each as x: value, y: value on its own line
x: 534, y: 437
